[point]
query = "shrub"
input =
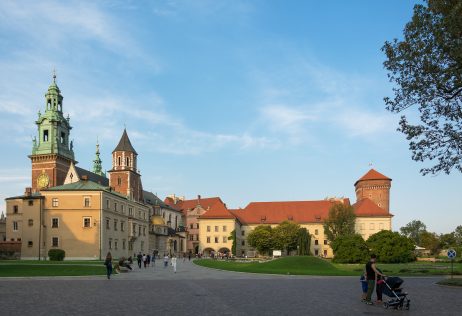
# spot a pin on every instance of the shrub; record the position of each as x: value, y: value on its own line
x: 350, y: 249
x: 56, y: 254
x: 391, y: 247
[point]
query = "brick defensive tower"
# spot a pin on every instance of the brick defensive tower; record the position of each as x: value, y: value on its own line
x: 376, y: 187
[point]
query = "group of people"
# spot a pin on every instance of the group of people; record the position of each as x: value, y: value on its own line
x: 372, y: 278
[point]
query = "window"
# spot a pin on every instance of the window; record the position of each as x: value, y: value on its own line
x: 316, y: 232
x: 115, y: 224
x: 119, y: 160
x: 325, y: 242
x: 197, y: 225
x: 208, y: 240
x: 63, y: 137
x: 371, y: 226
x: 108, y: 225
x: 191, y: 237
x: 134, y: 228
x: 115, y: 206
x: 15, y: 209
x: 31, y: 222
x: 316, y: 252
x: 242, y: 232
x: 116, y: 244
x: 45, y: 135
x: 86, y: 201
x: 87, y: 222
x: 216, y: 240
x: 15, y: 226
x: 54, y: 222
x: 55, y: 242
x: 122, y: 208
x: 122, y: 226
x: 316, y: 242
x: 216, y: 228
x: 208, y: 228
x: 224, y: 228
x: 119, y: 181
x: 30, y: 243
x: 243, y: 243
x: 30, y: 202
x: 54, y: 202
x: 107, y: 204
x: 191, y: 226
x: 127, y: 161
x: 139, y: 230
x: 225, y: 239
x: 144, y: 231
x: 124, y: 244
x: 325, y: 253
x: 110, y: 243
x: 130, y: 211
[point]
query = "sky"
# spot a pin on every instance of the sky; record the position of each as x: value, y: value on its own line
x: 246, y: 100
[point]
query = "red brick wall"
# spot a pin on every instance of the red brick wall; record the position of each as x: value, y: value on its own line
x: 376, y: 190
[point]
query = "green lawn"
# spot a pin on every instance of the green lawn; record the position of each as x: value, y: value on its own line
x: 452, y: 282
x: 306, y: 265
x: 48, y: 262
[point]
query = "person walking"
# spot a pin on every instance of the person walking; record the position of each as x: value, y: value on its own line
x: 139, y: 258
x: 174, y: 263
x: 371, y: 276
x: 144, y: 260
x: 184, y: 256
x: 165, y: 261
x: 108, y: 264
x: 153, y: 259
x: 148, y: 258
x: 189, y: 255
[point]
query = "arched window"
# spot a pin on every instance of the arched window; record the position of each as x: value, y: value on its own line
x: 127, y: 161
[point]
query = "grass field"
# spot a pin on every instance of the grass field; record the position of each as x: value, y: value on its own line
x: 306, y: 265
x: 26, y: 268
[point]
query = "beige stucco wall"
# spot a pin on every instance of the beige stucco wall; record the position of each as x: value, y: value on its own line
x: 221, y: 234
x: 367, y: 226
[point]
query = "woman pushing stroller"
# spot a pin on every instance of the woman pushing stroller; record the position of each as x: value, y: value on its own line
x: 372, y: 276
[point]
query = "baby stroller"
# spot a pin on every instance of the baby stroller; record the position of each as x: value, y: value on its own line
x: 393, y: 289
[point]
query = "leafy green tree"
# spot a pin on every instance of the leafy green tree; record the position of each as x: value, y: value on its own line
x: 285, y: 236
x: 303, y: 242
x: 232, y: 236
x: 458, y: 235
x: 391, y: 247
x: 261, y: 238
x: 431, y: 242
x: 340, y: 222
x: 448, y: 240
x: 413, y: 230
x: 350, y: 249
x: 426, y: 67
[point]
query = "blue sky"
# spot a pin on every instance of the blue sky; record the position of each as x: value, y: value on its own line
x: 246, y: 100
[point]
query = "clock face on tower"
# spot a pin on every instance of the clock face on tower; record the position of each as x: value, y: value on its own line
x: 43, y: 180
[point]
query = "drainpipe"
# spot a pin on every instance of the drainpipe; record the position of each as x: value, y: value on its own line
x: 100, y: 223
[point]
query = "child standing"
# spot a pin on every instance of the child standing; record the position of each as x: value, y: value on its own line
x: 363, y: 281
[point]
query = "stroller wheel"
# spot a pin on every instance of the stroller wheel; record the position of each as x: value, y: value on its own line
x: 407, y: 305
x: 386, y: 305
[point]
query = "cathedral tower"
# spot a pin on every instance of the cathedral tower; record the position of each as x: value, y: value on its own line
x: 97, y: 163
x: 124, y: 176
x: 376, y: 187
x: 52, y: 152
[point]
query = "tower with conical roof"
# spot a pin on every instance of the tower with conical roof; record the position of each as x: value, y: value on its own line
x: 97, y: 163
x: 376, y: 187
x: 52, y: 151
x: 124, y: 176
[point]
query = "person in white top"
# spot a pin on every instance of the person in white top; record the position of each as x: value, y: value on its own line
x: 174, y: 263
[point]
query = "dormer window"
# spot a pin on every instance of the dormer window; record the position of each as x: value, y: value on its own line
x: 45, y: 135
x: 63, y: 138
x: 263, y: 219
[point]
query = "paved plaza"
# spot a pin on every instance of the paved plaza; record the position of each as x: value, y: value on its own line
x: 195, y: 290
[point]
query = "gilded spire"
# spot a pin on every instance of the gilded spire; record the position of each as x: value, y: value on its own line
x: 97, y: 163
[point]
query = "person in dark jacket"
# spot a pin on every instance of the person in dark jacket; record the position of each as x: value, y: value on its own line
x: 371, y: 276
x: 108, y: 264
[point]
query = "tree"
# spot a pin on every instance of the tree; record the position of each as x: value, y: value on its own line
x: 285, y: 236
x: 447, y: 240
x: 261, y: 238
x: 458, y: 235
x: 340, y: 222
x: 232, y: 236
x: 431, y: 242
x: 350, y: 249
x: 413, y: 230
x: 427, y: 69
x: 303, y: 242
x: 391, y: 247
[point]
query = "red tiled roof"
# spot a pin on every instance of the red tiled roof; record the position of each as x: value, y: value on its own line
x: 277, y: 212
x: 373, y: 175
x: 217, y: 210
x: 366, y: 207
x: 205, y: 203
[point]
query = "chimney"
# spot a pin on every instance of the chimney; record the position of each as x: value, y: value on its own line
x: 28, y: 191
x: 198, y: 199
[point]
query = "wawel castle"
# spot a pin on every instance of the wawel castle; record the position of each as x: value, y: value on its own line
x: 88, y: 212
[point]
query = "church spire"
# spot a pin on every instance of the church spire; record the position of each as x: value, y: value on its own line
x: 97, y: 163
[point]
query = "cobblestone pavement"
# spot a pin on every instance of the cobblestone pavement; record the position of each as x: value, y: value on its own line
x: 196, y: 290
